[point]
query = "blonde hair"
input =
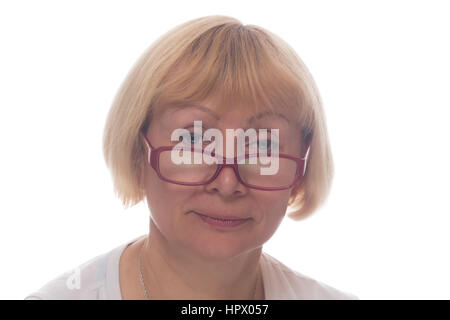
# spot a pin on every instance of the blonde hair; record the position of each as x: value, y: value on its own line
x: 217, y: 56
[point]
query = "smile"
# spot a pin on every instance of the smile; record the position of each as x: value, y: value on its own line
x: 221, y: 222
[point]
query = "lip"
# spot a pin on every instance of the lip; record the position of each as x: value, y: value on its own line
x: 222, y: 217
x: 228, y: 222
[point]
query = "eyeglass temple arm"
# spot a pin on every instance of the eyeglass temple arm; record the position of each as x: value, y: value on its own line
x: 307, y: 140
x: 147, y: 142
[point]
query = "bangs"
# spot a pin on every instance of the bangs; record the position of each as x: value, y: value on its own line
x: 236, y: 65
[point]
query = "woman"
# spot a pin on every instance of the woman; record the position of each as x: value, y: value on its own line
x: 209, y: 221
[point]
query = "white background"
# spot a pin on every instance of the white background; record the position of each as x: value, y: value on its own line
x: 383, y: 71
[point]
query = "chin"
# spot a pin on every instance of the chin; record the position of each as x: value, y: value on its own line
x: 218, y: 251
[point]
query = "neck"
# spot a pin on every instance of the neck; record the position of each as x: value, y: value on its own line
x: 184, y: 275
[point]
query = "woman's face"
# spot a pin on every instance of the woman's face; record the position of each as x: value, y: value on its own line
x: 173, y: 207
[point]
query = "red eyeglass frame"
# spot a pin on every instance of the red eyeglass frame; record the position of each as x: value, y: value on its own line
x: 153, y: 159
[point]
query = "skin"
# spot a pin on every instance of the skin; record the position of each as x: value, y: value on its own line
x: 191, y: 259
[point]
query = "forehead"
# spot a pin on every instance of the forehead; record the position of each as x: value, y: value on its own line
x: 252, y: 114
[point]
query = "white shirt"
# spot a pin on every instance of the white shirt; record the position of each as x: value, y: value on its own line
x: 98, y: 279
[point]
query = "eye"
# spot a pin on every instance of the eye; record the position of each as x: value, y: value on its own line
x: 191, y: 138
x: 264, y: 144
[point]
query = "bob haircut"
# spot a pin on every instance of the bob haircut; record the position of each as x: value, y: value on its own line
x: 217, y: 57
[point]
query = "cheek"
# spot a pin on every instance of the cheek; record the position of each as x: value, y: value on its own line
x: 272, y: 208
x: 164, y: 199
x: 272, y: 201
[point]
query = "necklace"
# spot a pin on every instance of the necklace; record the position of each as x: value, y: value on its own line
x: 144, y: 288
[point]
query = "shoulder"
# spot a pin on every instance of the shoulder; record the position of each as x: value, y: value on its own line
x: 283, y: 282
x: 95, y: 279
x: 82, y: 282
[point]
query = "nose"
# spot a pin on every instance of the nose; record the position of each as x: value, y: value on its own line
x: 227, y: 184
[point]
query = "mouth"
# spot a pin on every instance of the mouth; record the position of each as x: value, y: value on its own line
x: 221, y: 221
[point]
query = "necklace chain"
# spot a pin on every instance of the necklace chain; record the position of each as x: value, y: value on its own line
x: 144, y: 287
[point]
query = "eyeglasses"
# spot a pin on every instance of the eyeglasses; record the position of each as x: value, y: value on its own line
x: 248, y: 172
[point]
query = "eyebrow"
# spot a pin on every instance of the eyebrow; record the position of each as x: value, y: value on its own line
x: 250, y: 119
